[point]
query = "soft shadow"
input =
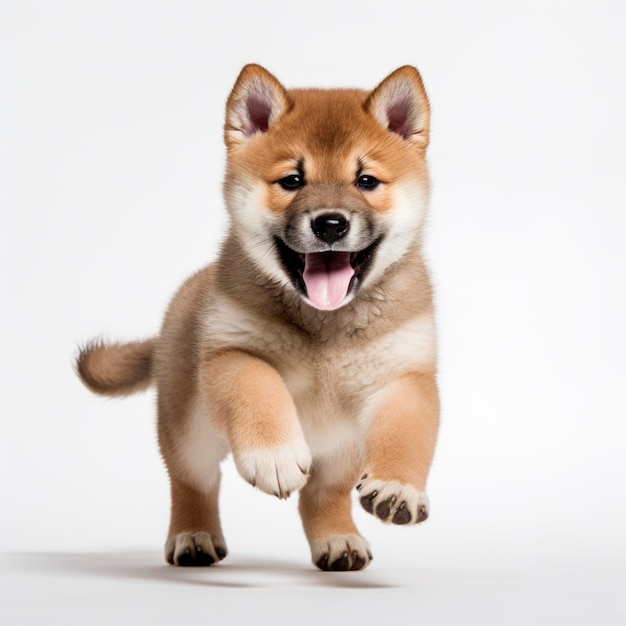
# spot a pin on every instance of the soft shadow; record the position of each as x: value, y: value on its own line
x: 138, y: 566
x: 307, y: 574
x: 235, y: 573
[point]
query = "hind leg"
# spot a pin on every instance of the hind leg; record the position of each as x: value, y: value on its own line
x: 326, y: 511
x: 195, y: 535
x: 192, y: 453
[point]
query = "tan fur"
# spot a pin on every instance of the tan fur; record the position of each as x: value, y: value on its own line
x: 116, y: 369
x: 195, y: 522
x: 401, y: 439
x: 305, y: 398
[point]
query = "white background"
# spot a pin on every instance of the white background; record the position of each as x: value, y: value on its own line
x: 111, y: 164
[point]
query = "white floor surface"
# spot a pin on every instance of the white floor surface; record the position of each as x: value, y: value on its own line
x: 138, y: 588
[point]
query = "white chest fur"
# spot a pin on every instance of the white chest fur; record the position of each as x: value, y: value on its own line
x: 332, y: 383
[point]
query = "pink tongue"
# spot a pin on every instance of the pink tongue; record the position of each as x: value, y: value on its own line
x: 327, y: 278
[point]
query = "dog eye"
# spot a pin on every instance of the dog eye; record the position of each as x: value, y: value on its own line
x: 292, y: 182
x: 367, y: 182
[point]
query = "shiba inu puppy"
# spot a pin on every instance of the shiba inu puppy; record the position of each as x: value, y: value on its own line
x: 307, y: 350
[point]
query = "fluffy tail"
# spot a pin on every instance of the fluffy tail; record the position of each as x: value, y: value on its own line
x: 116, y: 369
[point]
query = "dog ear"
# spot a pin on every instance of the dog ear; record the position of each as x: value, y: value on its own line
x: 400, y: 104
x: 255, y: 103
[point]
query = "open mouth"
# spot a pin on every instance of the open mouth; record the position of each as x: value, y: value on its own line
x: 326, y: 278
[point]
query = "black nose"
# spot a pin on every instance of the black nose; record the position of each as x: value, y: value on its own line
x: 330, y: 227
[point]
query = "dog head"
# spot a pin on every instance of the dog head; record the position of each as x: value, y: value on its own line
x: 326, y: 188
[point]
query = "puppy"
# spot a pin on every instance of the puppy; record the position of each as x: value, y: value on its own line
x: 307, y: 350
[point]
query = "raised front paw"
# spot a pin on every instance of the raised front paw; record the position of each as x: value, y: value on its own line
x: 393, y: 502
x: 192, y: 549
x: 341, y: 553
x: 277, y: 470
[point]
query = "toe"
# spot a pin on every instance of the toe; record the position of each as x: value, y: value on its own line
x: 402, y: 515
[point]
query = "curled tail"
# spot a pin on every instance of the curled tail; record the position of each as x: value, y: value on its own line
x: 116, y: 369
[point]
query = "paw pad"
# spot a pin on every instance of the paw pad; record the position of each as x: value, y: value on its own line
x: 393, y: 502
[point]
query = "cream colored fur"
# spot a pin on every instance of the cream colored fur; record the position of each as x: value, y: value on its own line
x: 304, y: 398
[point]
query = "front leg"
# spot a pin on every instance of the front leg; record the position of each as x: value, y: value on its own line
x: 253, y: 407
x: 399, y: 450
